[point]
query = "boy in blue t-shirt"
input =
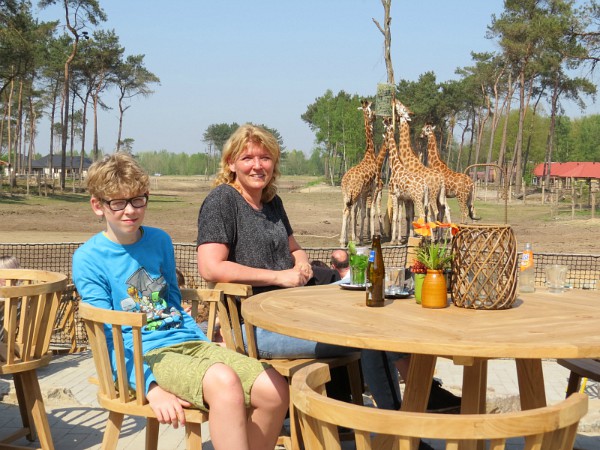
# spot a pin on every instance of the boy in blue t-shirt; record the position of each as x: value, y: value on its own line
x: 128, y: 267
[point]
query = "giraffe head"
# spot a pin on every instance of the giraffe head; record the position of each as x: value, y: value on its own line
x: 427, y: 130
x: 402, y: 112
x: 387, y: 124
x: 368, y: 112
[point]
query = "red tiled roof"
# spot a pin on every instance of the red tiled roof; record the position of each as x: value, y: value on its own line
x: 570, y: 170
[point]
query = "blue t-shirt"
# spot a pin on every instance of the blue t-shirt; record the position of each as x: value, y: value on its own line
x: 139, y: 277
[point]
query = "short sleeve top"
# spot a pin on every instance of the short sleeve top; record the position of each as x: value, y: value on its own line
x: 256, y: 238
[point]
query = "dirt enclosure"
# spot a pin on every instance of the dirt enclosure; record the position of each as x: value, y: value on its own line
x: 315, y: 211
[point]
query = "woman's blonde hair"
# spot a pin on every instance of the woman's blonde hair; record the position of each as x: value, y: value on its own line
x: 234, y: 147
x: 116, y: 175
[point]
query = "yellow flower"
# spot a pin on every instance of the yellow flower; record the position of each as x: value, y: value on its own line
x: 423, y: 228
x: 426, y: 228
x: 453, y: 227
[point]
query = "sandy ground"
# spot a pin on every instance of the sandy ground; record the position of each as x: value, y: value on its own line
x: 315, y: 212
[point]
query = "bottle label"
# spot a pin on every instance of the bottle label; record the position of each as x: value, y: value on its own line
x: 527, y: 260
x: 372, y: 256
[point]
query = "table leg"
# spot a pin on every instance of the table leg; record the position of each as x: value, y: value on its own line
x: 416, y: 394
x: 531, y: 383
x: 474, y: 395
x: 418, y: 385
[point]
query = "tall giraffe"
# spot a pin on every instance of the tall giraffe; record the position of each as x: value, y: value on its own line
x: 406, y: 186
x: 375, y: 199
x: 433, y: 179
x: 458, y: 185
x: 357, y: 182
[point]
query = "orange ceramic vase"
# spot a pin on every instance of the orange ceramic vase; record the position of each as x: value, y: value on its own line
x: 434, y: 293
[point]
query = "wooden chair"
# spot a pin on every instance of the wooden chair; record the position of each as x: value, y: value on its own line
x: 65, y: 326
x: 30, y: 299
x: 116, y: 396
x: 231, y: 330
x: 581, y: 368
x: 320, y: 417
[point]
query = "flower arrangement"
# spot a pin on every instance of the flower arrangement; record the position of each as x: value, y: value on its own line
x: 432, y: 255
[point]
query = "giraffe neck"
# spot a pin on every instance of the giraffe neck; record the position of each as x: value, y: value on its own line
x: 391, y: 146
x: 406, y: 152
x: 370, y: 151
x: 381, y: 157
x: 433, y: 157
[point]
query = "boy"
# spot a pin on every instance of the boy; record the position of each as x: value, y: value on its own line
x: 130, y: 267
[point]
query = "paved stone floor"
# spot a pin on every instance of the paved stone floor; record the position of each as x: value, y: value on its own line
x: 77, y: 422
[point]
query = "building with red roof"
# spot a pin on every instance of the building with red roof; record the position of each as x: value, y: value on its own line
x: 562, y: 173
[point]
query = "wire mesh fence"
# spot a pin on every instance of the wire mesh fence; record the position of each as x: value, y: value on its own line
x: 69, y: 335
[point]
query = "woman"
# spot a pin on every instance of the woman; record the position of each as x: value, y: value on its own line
x: 244, y: 235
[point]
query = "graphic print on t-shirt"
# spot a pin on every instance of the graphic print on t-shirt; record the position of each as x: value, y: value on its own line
x: 147, y: 295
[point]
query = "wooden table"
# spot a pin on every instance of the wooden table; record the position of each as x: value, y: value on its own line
x: 539, y: 325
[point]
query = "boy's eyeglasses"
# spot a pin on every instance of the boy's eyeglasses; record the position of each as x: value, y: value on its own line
x: 120, y: 204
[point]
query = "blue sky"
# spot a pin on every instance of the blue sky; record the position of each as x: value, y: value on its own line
x: 265, y: 61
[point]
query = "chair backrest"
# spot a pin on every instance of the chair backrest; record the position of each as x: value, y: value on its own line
x: 230, y: 318
x: 212, y: 297
x: 30, y: 299
x: 320, y: 416
x: 95, y: 318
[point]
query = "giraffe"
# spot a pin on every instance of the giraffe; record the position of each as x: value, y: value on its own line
x: 458, y: 185
x: 405, y: 186
x: 435, y: 181
x: 357, y: 182
x: 375, y: 199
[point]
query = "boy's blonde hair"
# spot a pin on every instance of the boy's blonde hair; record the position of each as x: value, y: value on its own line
x: 237, y: 143
x: 116, y: 175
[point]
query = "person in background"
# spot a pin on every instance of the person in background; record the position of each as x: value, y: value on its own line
x: 130, y: 267
x: 322, y: 274
x: 341, y: 263
x: 6, y: 262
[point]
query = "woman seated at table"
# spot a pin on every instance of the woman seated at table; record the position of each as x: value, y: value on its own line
x: 244, y: 236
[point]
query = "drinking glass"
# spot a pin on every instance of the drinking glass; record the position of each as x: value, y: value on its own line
x: 358, y: 266
x: 394, y: 280
x: 556, y: 277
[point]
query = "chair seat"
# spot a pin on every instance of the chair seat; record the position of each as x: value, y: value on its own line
x: 580, y: 368
x: 21, y: 366
x: 589, y: 368
x: 288, y: 367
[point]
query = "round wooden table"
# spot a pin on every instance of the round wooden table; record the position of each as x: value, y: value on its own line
x: 540, y: 325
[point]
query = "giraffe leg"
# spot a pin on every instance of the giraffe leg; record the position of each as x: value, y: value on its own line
x: 393, y: 221
x: 353, y: 213
x: 344, y: 233
x: 409, y: 210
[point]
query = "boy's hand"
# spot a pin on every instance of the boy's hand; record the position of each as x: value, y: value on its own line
x: 167, y: 407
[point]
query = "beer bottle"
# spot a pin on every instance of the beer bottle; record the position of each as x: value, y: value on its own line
x: 375, y: 274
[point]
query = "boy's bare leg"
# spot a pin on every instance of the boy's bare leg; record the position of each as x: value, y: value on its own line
x: 222, y: 391
x: 270, y: 401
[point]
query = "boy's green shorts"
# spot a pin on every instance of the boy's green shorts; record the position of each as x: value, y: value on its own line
x: 180, y: 369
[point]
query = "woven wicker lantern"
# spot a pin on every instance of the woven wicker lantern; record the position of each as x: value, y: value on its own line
x: 484, y: 267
